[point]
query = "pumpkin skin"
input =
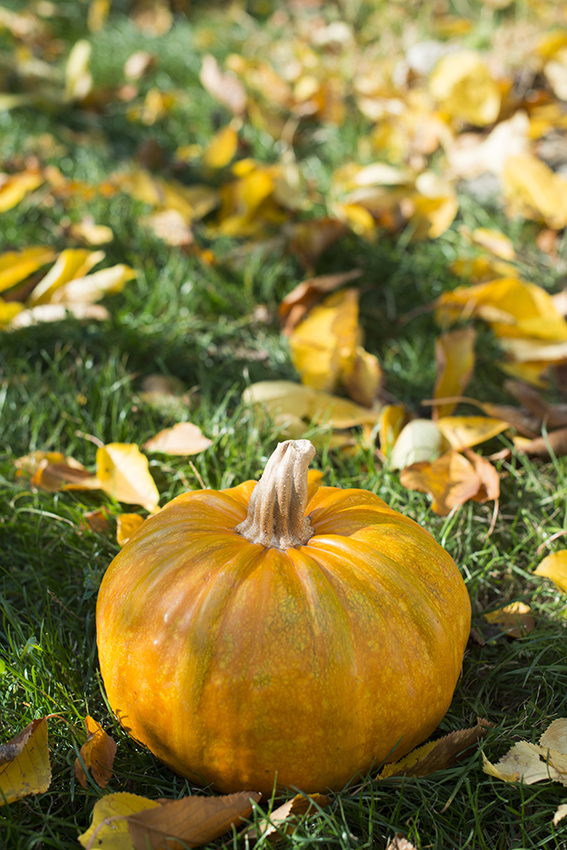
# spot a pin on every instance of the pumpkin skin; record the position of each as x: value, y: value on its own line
x: 247, y: 667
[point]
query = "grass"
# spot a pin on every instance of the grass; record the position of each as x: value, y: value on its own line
x: 199, y: 323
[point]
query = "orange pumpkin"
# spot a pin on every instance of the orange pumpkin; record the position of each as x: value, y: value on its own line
x: 281, y: 634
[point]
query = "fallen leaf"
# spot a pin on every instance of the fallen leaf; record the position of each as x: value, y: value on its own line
x: 490, y: 480
x: 24, y: 763
x: 552, y: 416
x: 15, y: 187
x: 166, y: 394
x: 515, y: 619
x: 16, y: 266
x: 97, y: 520
x: 152, y: 17
x: 56, y: 476
x: 97, y: 755
x: 171, y: 227
x: 419, y: 440
x: 70, y: 264
x: 223, y: 86
x: 190, y: 821
x: 400, y: 842
x: 552, y: 444
x: 126, y: 526
x: 560, y: 814
x: 533, y: 190
x: 451, y: 480
x: 283, y: 819
x: 529, y: 763
x: 109, y: 826
x: 78, y: 78
x: 58, y: 313
x: 222, y: 148
x: 363, y: 377
x: 124, y: 474
x: 494, y: 241
x: 554, y: 567
x: 309, y: 239
x: 462, y: 432
x: 93, y: 287
x: 8, y: 312
x: 464, y: 88
x: 89, y: 233
x: 439, y: 754
x: 138, y: 64
x: 312, y: 406
x: 471, y: 155
x: 323, y: 345
x: 392, y: 419
x: 182, y: 439
x: 300, y: 300
x: 454, y: 356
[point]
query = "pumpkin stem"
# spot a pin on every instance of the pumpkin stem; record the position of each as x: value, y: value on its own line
x: 276, y: 513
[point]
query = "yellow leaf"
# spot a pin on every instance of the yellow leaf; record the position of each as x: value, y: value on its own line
x: 78, y: 78
x: 57, y: 313
x: 16, y: 266
x: 93, y: 287
x: 8, y: 311
x: 14, y: 187
x: 392, y: 420
x: 182, y: 439
x: 454, y: 355
x: 97, y: 755
x: 465, y: 431
x: 288, y: 400
x: 24, y: 763
x: 554, y: 567
x: 462, y: 85
x: 193, y: 202
x: 495, y: 242
x: 362, y: 377
x: 109, y: 827
x: 515, y: 619
x: 222, y: 148
x: 323, y: 345
x: 70, y: 264
x: 97, y: 14
x: 432, y: 207
x: 535, y: 191
x: 513, y: 307
x: 305, y: 295
x: 124, y: 474
x: 126, y: 526
x: 451, y: 480
x: 89, y: 233
x: 529, y: 763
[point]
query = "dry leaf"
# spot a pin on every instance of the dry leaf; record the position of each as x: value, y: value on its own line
x: 553, y: 416
x: 109, y: 826
x: 400, y: 842
x: 222, y: 148
x: 97, y: 520
x: 462, y: 85
x: 70, y: 264
x: 323, y: 345
x: 451, y: 480
x: 454, y: 356
x: 490, y: 480
x: 16, y: 266
x: 190, y: 821
x: 300, y: 300
x: 310, y: 239
x: 283, y: 819
x: 138, y: 64
x: 529, y: 763
x: 560, y: 814
x: 93, y: 287
x: 78, y: 78
x: 494, y: 241
x: 24, y: 763
x: 552, y: 444
x: 471, y: 154
x: 171, y: 227
x: 97, y: 755
x: 58, y: 313
x: 392, y: 419
x: 15, y: 187
x: 182, y: 439
x: 462, y: 432
x: 89, y: 233
x: 223, y: 86
x: 193, y: 202
x: 56, y: 476
x: 126, y: 526
x: 363, y: 377
x: 554, y: 567
x: 152, y: 17
x: 440, y: 754
x: 515, y: 619
x: 533, y: 190
x: 285, y: 400
x: 420, y: 440
x: 124, y: 474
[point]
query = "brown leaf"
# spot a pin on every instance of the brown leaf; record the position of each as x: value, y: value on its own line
x: 308, y: 240
x: 300, y: 300
x: 24, y: 763
x: 440, y: 754
x: 97, y: 755
x: 284, y: 818
x: 451, y: 480
x: 514, y: 619
x: 54, y: 476
x: 97, y: 520
x: 400, y: 842
x: 190, y: 821
x: 490, y: 480
x: 552, y: 416
x: 553, y: 443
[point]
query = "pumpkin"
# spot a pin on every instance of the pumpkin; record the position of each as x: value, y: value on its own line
x: 281, y: 633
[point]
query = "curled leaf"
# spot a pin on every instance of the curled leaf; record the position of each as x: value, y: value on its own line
x: 97, y: 755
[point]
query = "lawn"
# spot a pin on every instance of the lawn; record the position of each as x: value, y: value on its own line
x: 223, y: 190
